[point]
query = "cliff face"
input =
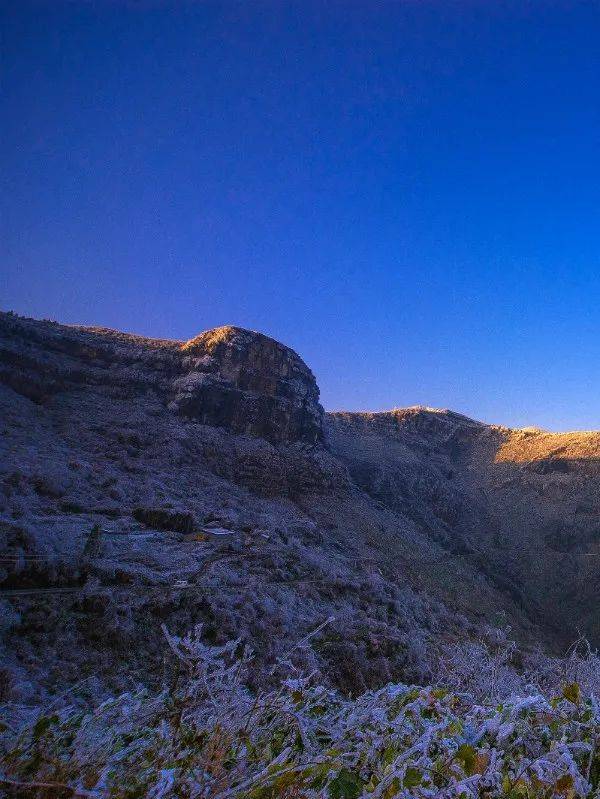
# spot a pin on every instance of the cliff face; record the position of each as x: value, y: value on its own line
x: 249, y: 383
x: 211, y: 462
x: 227, y: 377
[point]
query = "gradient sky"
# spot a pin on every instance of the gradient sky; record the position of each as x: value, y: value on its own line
x: 407, y: 193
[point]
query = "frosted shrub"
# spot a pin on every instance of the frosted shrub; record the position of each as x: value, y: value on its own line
x: 486, y: 669
x: 580, y: 665
x: 483, y: 672
x: 208, y: 736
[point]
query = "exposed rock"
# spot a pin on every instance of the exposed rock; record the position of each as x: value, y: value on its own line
x: 162, y: 519
x: 249, y: 383
x: 227, y: 377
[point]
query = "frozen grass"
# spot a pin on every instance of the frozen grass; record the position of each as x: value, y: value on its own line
x: 207, y: 735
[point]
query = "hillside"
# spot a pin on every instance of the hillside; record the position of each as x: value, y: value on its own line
x: 148, y: 482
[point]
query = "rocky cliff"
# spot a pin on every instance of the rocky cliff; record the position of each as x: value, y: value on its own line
x: 226, y: 377
x: 249, y: 383
x: 145, y: 481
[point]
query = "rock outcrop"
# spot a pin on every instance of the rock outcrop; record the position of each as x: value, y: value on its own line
x: 228, y: 377
x: 249, y: 383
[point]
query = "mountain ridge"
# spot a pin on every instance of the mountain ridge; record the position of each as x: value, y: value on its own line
x: 151, y: 341
x: 409, y: 527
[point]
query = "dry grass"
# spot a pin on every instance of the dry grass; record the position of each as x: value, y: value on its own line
x: 521, y: 446
x: 210, y: 339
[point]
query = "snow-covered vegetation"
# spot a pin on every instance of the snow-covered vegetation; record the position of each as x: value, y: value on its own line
x: 485, y: 729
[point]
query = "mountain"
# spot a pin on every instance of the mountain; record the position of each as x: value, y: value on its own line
x: 148, y: 482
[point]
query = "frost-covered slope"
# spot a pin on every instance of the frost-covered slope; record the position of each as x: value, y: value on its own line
x: 522, y: 506
x: 146, y: 481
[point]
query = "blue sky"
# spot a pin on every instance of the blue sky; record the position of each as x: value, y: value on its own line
x: 407, y: 193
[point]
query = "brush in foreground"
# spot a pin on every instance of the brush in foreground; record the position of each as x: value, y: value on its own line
x: 209, y: 736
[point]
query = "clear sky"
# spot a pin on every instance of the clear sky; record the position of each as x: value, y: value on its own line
x: 407, y: 193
